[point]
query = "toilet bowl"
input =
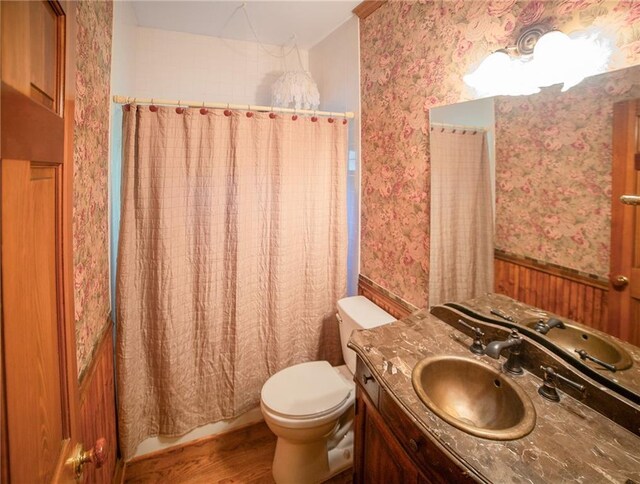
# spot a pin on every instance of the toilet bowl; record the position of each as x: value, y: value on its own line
x: 310, y: 406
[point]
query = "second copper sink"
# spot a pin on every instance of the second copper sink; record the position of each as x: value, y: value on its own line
x: 575, y: 338
x: 474, y: 397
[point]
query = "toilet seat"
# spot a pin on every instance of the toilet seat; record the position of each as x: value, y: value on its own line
x: 307, y: 390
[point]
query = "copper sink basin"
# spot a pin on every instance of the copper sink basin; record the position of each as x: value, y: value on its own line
x: 574, y: 338
x: 474, y: 397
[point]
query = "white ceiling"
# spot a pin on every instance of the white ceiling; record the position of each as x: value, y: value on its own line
x: 274, y: 22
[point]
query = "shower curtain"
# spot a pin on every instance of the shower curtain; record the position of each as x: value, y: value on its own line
x: 232, y: 255
x: 461, y: 260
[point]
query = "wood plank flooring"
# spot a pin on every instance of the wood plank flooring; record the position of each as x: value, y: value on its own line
x: 240, y: 456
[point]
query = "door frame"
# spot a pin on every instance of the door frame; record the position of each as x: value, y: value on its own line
x: 625, y: 163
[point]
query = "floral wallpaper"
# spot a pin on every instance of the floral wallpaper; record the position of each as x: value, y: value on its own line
x: 91, y: 169
x: 413, y: 57
x: 553, y: 186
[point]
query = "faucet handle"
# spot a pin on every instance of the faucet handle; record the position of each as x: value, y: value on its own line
x: 586, y: 356
x: 502, y: 315
x: 548, y: 388
x: 476, y: 347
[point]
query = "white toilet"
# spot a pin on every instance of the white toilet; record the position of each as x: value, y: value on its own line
x: 310, y: 406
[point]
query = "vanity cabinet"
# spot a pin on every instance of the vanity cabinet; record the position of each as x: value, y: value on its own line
x: 389, y: 446
x: 380, y: 458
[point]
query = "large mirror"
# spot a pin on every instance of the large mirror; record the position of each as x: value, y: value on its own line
x: 550, y: 171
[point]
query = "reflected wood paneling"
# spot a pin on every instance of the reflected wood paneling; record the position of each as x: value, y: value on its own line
x: 567, y: 295
x: 98, y: 407
x: 394, y: 306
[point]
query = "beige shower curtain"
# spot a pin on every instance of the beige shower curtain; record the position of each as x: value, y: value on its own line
x: 232, y: 255
x: 461, y: 260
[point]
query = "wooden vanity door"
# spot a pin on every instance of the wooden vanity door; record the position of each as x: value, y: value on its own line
x: 624, y: 286
x: 39, y: 377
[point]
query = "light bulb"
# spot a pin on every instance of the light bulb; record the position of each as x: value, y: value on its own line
x: 550, y: 57
x: 491, y: 74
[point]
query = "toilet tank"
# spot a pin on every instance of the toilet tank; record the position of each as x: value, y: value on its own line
x: 358, y: 312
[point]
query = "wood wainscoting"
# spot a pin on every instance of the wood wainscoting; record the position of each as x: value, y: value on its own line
x: 395, y: 306
x: 98, y: 407
x: 552, y: 289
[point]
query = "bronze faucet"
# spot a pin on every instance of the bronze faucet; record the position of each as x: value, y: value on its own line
x: 543, y: 328
x: 514, y: 342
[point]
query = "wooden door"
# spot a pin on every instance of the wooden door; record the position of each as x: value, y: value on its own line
x: 39, y: 378
x: 624, y: 288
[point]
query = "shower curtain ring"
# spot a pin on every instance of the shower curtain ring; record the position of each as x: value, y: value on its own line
x: 203, y: 110
x: 272, y: 115
x: 153, y: 108
x: 227, y: 112
x: 179, y: 109
x: 314, y: 118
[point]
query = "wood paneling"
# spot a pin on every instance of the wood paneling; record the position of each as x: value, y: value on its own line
x: 397, y: 309
x: 98, y: 407
x: 366, y: 8
x: 568, y: 295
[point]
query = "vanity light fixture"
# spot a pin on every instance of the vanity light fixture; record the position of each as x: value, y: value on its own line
x: 540, y: 58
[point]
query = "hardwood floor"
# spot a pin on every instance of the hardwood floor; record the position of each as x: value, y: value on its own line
x: 240, y: 456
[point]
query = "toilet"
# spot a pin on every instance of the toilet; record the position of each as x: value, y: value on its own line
x: 310, y: 406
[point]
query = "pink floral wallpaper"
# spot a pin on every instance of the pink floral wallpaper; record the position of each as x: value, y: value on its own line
x: 553, y: 184
x: 91, y: 169
x: 413, y: 57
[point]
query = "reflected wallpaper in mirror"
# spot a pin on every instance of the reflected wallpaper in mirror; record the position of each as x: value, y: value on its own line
x: 553, y: 154
x: 553, y: 172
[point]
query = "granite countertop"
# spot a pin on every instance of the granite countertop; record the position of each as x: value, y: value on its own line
x: 519, y: 311
x: 571, y: 442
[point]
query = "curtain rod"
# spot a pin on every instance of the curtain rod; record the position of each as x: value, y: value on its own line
x: 249, y: 107
x: 456, y: 127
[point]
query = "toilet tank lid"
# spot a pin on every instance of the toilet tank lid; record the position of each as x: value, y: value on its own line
x: 364, y: 312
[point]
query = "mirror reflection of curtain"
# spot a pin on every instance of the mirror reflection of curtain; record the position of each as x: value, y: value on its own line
x: 461, y: 260
x: 232, y: 256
